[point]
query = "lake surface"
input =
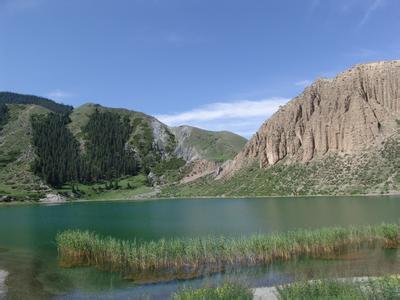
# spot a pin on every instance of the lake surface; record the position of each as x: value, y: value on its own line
x: 28, y: 251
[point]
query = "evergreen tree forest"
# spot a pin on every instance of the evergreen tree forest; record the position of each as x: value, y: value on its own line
x: 3, y: 115
x: 57, y: 151
x: 107, y: 155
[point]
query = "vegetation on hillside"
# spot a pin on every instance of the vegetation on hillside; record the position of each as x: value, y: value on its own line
x: 106, y: 156
x: 103, y: 153
x: 17, y: 181
x: 212, y: 145
x: 14, y: 98
x: 59, y: 160
x: 367, y: 172
x: 184, y: 258
x: 57, y: 152
x: 127, y: 187
x: 3, y: 115
x: 142, y: 141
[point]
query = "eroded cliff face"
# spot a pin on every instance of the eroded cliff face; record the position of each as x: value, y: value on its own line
x: 354, y: 111
x: 184, y: 148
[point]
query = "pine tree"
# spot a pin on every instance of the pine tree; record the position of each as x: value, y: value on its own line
x: 107, y: 156
x: 57, y: 160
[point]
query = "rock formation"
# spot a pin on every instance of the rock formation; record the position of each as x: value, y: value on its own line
x: 356, y: 110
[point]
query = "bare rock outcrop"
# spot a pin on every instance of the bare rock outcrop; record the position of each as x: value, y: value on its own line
x: 356, y: 110
x: 200, y: 168
x: 185, y: 149
x: 53, y: 198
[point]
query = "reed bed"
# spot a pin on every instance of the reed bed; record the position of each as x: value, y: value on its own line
x: 227, y: 291
x: 184, y: 258
x: 387, y: 287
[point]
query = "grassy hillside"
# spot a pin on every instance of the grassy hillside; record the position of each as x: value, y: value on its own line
x: 142, y: 135
x: 80, y: 115
x: 124, y: 188
x: 16, y: 153
x: 369, y: 172
x: 210, y: 145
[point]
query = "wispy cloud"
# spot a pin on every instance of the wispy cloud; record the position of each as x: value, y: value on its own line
x: 370, y: 10
x: 59, y: 95
x: 365, y: 8
x: 303, y: 83
x: 243, y: 117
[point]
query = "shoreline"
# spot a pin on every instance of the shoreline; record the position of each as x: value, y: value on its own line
x: 155, y: 198
x: 3, y: 287
x: 223, y: 197
x: 271, y: 292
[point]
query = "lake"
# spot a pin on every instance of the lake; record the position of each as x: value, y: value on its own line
x: 28, y: 251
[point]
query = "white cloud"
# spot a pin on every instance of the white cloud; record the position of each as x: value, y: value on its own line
x: 370, y: 9
x: 243, y: 117
x: 303, y: 83
x: 59, y: 95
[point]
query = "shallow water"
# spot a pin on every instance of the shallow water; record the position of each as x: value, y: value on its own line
x: 28, y: 253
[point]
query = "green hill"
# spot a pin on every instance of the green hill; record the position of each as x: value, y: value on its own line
x: 17, y: 154
x: 94, y: 151
x: 195, y: 143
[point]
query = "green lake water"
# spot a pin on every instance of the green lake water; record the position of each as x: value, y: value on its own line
x: 28, y: 252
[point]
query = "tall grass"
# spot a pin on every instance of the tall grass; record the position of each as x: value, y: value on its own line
x: 228, y: 291
x: 175, y: 258
x: 387, y: 287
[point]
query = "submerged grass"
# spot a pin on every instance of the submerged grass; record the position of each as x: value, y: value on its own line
x: 228, y: 291
x: 193, y: 257
x: 387, y: 287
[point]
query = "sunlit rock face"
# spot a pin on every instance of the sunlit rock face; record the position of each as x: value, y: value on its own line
x: 356, y: 110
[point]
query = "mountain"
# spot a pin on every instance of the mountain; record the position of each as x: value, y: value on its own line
x: 198, y: 144
x: 44, y: 144
x: 148, y: 133
x: 340, y: 136
x: 357, y: 110
x: 205, y: 151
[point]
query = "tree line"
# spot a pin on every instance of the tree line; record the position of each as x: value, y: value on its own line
x: 57, y: 151
x: 106, y: 155
x: 14, y: 98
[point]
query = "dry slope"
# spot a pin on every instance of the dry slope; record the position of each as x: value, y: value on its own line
x: 354, y: 112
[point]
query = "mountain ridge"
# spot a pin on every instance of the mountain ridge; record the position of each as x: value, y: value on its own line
x: 357, y: 108
x: 153, y: 144
x: 340, y: 136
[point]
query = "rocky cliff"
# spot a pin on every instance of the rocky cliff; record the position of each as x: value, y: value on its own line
x: 355, y: 111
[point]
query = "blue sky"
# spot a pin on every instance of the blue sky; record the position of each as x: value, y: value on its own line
x: 217, y: 64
